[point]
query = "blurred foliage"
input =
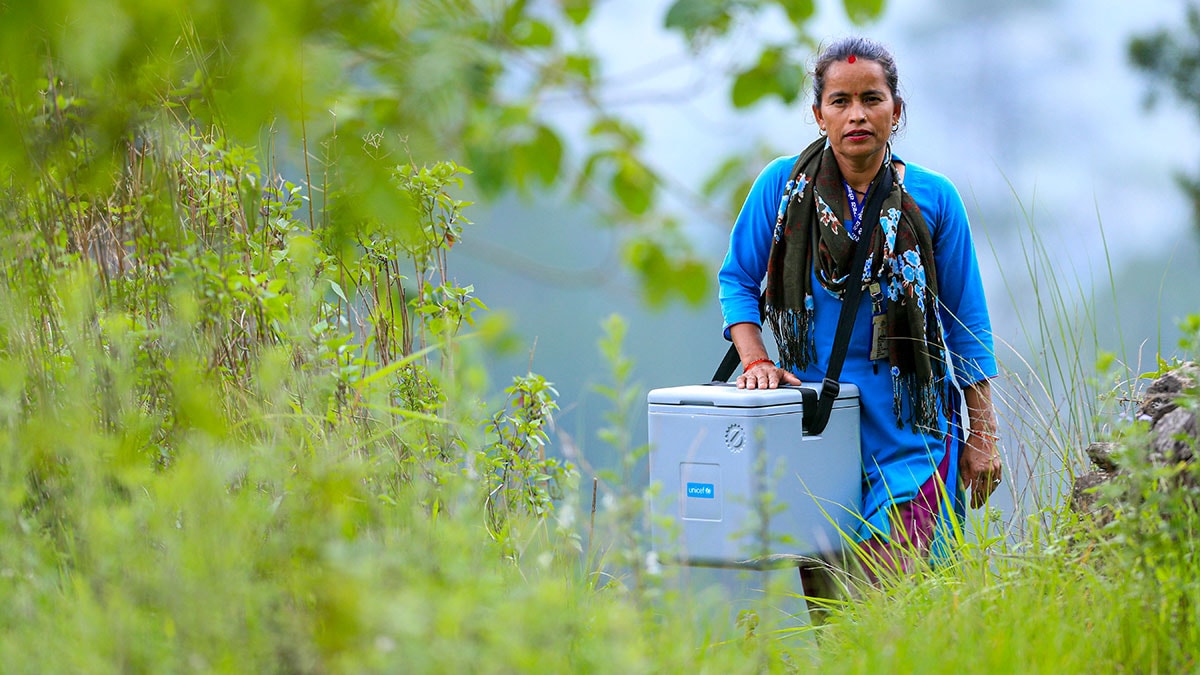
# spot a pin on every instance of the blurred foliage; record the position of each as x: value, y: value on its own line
x: 1170, y: 58
x: 243, y: 420
x: 234, y: 441
x: 477, y: 81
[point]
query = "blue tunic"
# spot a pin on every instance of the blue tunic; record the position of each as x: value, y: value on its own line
x: 896, y: 460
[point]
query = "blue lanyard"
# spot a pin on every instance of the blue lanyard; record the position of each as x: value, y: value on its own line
x: 856, y: 211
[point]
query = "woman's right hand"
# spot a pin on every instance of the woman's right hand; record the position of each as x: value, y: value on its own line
x: 765, y: 375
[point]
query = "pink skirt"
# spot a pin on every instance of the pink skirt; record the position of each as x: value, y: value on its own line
x: 913, y: 527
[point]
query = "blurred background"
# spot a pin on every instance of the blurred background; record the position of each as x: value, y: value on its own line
x: 1032, y: 108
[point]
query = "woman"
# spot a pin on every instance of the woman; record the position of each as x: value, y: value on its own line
x: 922, y: 324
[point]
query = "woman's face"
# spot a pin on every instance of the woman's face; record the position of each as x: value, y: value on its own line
x: 857, y: 111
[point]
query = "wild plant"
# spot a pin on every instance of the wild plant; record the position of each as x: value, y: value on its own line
x: 228, y: 432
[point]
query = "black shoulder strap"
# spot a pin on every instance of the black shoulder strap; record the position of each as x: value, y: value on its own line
x: 816, y: 419
x: 732, y: 360
x: 830, y: 387
x: 728, y: 364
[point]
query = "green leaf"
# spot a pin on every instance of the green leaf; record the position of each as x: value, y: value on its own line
x: 863, y: 11
x: 750, y: 86
x: 337, y: 290
x: 799, y: 11
x: 540, y: 158
x: 633, y: 185
x: 547, y: 151
x: 650, y: 263
x: 692, y: 279
x: 692, y: 16
x: 513, y: 14
x: 533, y: 33
x: 612, y: 126
x: 789, y: 81
x: 588, y: 173
x: 580, y: 65
x: 577, y: 10
x: 774, y: 74
x: 667, y: 270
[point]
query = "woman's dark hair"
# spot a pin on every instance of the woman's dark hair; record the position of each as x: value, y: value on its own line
x: 862, y: 48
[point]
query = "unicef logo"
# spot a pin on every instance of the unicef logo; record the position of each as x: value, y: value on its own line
x: 735, y: 438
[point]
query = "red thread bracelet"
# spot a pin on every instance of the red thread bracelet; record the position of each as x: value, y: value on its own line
x: 746, y: 368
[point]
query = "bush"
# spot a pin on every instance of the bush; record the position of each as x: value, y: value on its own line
x: 236, y: 440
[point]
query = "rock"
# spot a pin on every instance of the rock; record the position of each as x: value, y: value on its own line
x: 1162, y: 394
x: 1174, y: 433
x: 1101, y: 455
x: 1175, y: 436
x: 1083, y: 495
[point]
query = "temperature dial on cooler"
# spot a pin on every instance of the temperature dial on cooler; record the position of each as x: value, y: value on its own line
x: 735, y: 438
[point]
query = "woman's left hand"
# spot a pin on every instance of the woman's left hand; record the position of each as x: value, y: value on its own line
x: 980, y: 467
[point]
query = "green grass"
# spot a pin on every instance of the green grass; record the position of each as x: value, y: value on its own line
x: 1045, y: 591
x: 235, y: 441
x: 1052, y: 612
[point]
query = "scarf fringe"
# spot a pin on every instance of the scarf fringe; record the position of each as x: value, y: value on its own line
x: 927, y: 400
x: 793, y: 335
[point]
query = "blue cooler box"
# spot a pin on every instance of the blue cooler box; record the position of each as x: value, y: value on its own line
x: 739, y: 484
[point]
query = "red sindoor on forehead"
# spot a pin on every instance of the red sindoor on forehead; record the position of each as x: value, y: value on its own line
x: 852, y: 59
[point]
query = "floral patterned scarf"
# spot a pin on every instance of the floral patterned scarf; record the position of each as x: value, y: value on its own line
x: 809, y: 236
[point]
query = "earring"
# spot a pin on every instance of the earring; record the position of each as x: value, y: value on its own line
x: 822, y: 131
x: 895, y: 127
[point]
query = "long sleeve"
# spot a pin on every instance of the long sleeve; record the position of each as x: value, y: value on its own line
x: 964, y: 309
x: 745, y: 265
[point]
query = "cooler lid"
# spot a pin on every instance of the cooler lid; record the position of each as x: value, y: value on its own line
x: 729, y: 396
